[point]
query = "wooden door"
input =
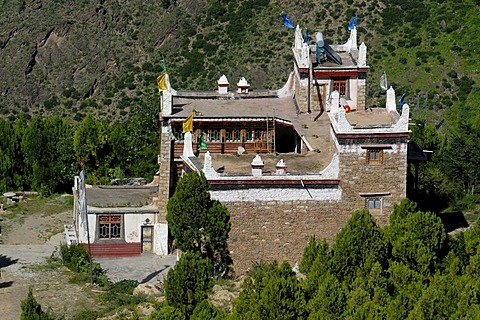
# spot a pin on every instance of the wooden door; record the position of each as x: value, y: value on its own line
x: 147, y: 238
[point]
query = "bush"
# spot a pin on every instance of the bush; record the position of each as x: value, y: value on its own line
x: 124, y: 286
x: 87, y: 315
x: 31, y: 310
x: 78, y: 260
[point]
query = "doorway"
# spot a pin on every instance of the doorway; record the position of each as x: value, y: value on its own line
x: 147, y: 239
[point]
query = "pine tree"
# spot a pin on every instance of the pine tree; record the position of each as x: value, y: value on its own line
x: 188, y: 282
x: 31, y: 310
x: 198, y: 223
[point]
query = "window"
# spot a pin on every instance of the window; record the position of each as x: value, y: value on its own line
x: 341, y: 86
x: 249, y: 135
x: 374, y: 203
x: 236, y: 135
x: 110, y: 227
x: 228, y: 135
x: 374, y: 156
x: 215, y: 135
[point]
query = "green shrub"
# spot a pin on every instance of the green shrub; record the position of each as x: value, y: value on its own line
x: 78, y: 260
x: 31, y: 310
x: 124, y: 286
x: 87, y: 315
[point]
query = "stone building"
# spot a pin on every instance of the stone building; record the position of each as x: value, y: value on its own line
x: 293, y: 162
x: 287, y: 163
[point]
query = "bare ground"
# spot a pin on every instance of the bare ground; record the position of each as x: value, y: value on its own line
x: 28, y: 242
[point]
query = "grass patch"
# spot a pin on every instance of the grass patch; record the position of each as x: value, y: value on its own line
x: 39, y: 205
x: 472, y: 216
x: 49, y: 265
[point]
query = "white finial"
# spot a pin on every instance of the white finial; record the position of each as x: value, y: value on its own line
x: 362, y: 55
x: 281, y: 166
x: 257, y: 166
x: 391, y: 103
x: 187, y: 145
x: 335, y: 101
x: 223, y: 84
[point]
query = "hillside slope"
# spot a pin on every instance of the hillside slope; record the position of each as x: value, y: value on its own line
x: 77, y: 57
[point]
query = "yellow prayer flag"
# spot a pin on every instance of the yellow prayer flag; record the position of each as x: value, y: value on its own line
x: 162, y: 82
x: 188, y: 124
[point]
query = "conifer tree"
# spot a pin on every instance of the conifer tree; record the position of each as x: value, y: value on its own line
x: 198, y: 223
x: 188, y: 282
x: 31, y: 310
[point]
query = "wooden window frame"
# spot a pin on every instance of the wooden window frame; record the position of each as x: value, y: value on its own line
x: 258, y: 134
x: 249, y: 135
x: 374, y: 203
x: 236, y: 135
x: 111, y: 221
x: 375, y: 156
x: 341, y: 85
x: 215, y: 137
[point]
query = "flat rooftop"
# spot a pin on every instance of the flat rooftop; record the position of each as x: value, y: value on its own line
x: 234, y: 105
x: 314, y: 127
x: 120, y: 196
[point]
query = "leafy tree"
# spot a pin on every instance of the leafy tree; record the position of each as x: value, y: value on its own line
x: 142, y: 142
x: 369, y: 297
x: 7, y: 160
x: 309, y: 255
x: 321, y: 266
x: 407, y: 287
x: 167, y: 313
x: 417, y: 238
x: 189, y: 282
x: 31, y: 310
x: 460, y: 155
x: 90, y: 138
x: 198, y: 224
x: 329, y: 301
x: 271, y: 292
x: 358, y: 246
x: 438, y: 301
x: 48, y: 149
x: 205, y: 310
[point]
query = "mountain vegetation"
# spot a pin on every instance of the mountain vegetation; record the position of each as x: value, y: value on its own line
x: 72, y: 58
x: 77, y: 90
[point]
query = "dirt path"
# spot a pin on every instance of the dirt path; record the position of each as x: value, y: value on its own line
x: 31, y: 235
x: 23, y: 263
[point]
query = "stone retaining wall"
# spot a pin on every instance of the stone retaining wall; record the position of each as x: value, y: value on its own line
x: 277, y: 230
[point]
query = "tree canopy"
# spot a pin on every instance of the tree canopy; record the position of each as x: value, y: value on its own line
x: 198, y: 223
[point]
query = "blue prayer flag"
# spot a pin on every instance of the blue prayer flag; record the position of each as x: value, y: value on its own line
x: 307, y: 37
x: 352, y: 23
x: 401, y: 102
x: 287, y: 22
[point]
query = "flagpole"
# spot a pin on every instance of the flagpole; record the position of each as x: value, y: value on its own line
x: 85, y: 216
x: 88, y: 234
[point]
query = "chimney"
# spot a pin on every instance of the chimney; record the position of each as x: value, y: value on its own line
x: 223, y: 85
x: 257, y: 166
x: 243, y: 85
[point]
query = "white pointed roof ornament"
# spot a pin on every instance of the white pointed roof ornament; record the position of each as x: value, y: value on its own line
x: 223, y: 80
x: 243, y: 82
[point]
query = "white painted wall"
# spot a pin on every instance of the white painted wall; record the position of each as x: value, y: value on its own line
x: 287, y: 194
x: 133, y: 225
x: 160, y: 239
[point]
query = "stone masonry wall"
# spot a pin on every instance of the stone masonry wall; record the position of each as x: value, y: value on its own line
x: 164, y: 161
x: 301, y: 93
x: 387, y: 179
x: 277, y: 230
